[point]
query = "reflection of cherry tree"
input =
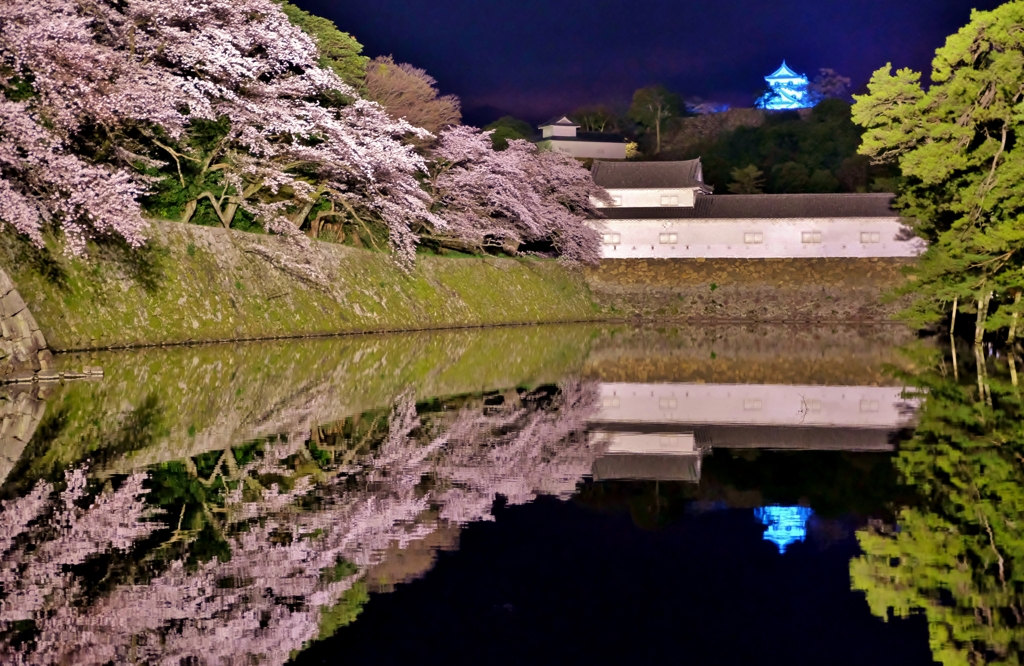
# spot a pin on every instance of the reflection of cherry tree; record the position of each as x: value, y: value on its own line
x: 298, y: 542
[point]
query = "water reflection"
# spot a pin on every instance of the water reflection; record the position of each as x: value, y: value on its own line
x: 956, y: 552
x: 217, y: 504
x: 785, y: 525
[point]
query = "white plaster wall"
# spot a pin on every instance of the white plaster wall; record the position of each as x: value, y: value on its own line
x: 755, y: 404
x: 649, y: 443
x: 585, y: 149
x: 651, y: 198
x: 557, y: 130
x: 780, y: 238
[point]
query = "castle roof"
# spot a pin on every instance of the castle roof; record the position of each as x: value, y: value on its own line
x: 648, y: 175
x: 765, y: 206
x: 561, y: 121
x: 784, y: 72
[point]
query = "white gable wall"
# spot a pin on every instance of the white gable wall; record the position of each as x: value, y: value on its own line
x: 653, y: 198
x: 755, y: 404
x: 590, y: 149
x: 756, y: 238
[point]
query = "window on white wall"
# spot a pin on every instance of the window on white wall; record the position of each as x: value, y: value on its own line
x: 668, y: 239
x: 870, y: 237
x: 611, y: 239
x: 810, y: 237
x: 753, y: 237
x: 669, y: 200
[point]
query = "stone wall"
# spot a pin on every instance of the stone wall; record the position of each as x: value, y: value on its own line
x: 23, y: 350
x: 768, y: 290
x: 21, y: 409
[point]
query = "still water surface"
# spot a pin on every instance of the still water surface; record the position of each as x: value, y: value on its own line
x: 536, y: 495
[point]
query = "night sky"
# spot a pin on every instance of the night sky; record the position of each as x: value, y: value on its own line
x: 538, y: 58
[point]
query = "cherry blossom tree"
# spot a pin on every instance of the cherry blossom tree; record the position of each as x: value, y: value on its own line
x: 127, y: 83
x: 512, y: 197
x: 410, y: 93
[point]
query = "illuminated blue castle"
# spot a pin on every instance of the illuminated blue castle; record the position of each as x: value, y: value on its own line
x: 788, y: 90
x: 786, y: 524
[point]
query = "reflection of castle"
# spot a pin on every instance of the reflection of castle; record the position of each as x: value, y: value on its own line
x: 661, y: 431
x: 786, y: 524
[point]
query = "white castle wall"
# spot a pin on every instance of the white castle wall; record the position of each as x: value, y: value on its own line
x: 679, y: 197
x: 589, y: 149
x: 757, y: 238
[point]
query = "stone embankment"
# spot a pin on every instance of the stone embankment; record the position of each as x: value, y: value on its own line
x: 202, y: 284
x: 21, y: 410
x: 761, y: 290
x: 23, y: 350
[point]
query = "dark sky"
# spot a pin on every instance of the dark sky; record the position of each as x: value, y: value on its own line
x: 537, y: 58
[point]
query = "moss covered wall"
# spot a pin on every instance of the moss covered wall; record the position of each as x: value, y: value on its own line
x: 203, y: 284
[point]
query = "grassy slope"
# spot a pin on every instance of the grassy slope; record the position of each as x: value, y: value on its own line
x: 202, y: 284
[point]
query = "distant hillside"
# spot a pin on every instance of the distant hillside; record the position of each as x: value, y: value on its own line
x: 812, y: 150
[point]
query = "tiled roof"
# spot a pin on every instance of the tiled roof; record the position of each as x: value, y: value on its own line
x: 594, y: 137
x: 562, y: 121
x: 628, y: 175
x: 647, y: 467
x: 765, y: 206
x: 783, y: 72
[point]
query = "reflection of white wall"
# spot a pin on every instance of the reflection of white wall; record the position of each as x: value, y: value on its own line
x: 656, y: 443
x: 758, y: 238
x: 752, y: 404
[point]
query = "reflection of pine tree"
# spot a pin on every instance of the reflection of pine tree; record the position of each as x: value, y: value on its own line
x: 265, y: 543
x: 958, y: 554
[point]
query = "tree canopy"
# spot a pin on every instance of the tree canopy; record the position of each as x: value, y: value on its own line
x: 339, y: 51
x: 957, y: 147
x: 652, y: 107
x: 507, y: 129
x: 812, y: 153
x: 410, y: 94
x: 220, y: 112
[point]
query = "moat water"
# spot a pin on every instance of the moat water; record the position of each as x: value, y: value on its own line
x: 563, y: 494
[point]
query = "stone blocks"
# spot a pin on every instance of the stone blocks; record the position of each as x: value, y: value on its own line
x: 23, y: 348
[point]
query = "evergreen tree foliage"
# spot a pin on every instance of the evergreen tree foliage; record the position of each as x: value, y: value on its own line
x: 339, y: 50
x: 746, y: 180
x: 956, y: 146
x: 507, y: 129
x: 652, y: 108
x: 812, y: 153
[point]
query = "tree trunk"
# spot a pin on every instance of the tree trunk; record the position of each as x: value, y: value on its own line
x: 229, y: 215
x: 1012, y: 337
x: 984, y: 392
x: 657, y: 133
x: 952, y: 338
x: 190, y: 210
x: 979, y: 325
